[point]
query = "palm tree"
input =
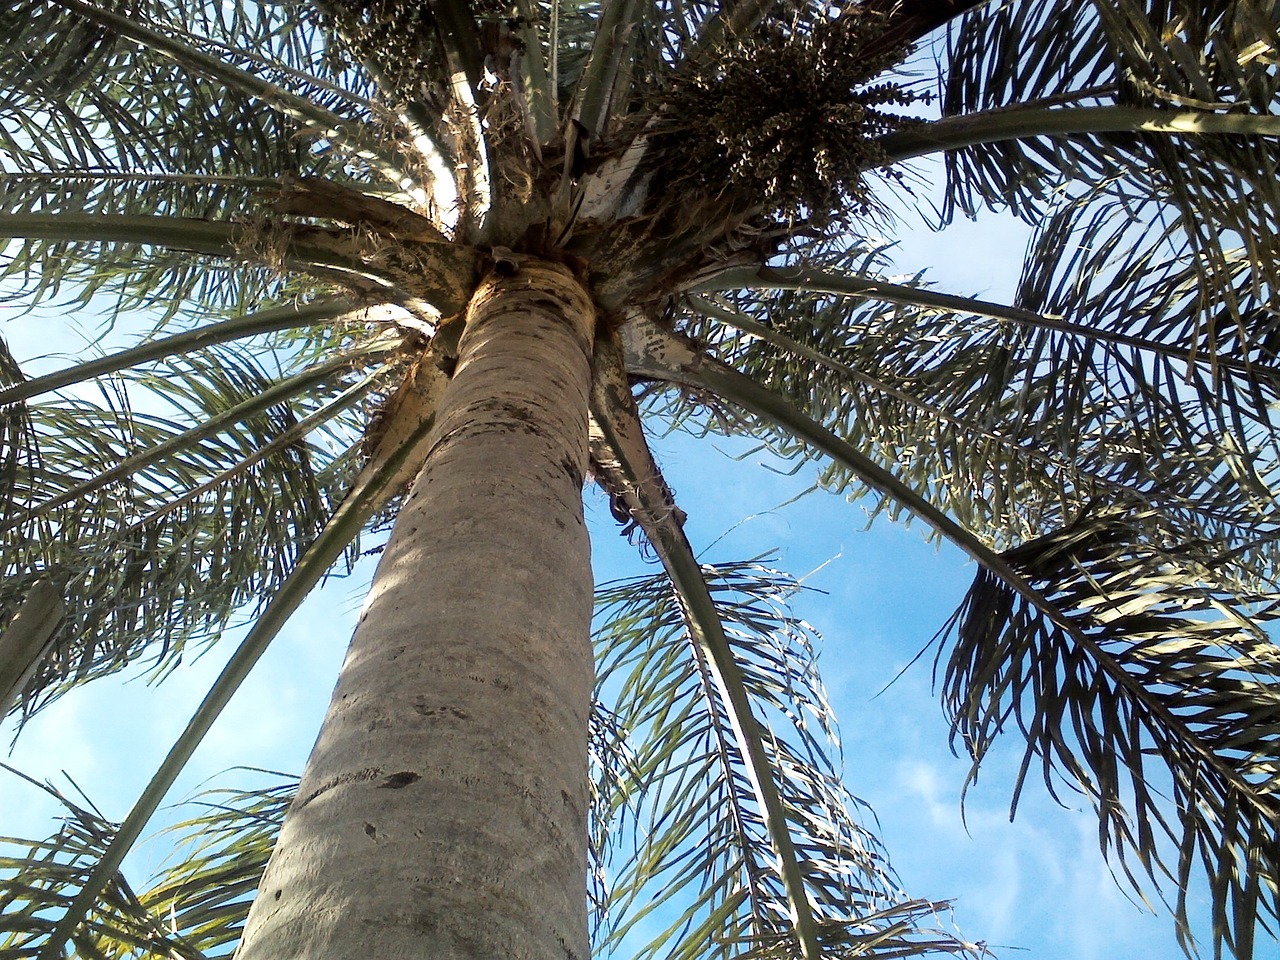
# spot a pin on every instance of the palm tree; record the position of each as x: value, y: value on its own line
x: 428, y: 266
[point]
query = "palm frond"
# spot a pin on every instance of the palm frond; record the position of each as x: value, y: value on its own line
x: 625, y: 466
x: 1024, y: 122
x: 1005, y: 425
x: 1132, y: 53
x: 90, y: 191
x: 219, y: 856
x: 124, y: 564
x: 136, y: 262
x: 1205, y: 198
x: 534, y: 76
x: 150, y: 257
x: 40, y: 877
x: 206, y: 335
x: 868, y: 284
x: 701, y: 832
x: 60, y: 117
x: 189, y: 127
x: 1156, y: 701
x: 199, y: 79
x: 194, y: 909
x: 1205, y: 284
x: 25, y: 639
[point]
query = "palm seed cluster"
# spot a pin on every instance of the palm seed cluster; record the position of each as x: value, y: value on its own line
x: 397, y: 35
x: 787, y: 118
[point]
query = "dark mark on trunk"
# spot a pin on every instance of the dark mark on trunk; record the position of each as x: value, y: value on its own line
x: 398, y: 780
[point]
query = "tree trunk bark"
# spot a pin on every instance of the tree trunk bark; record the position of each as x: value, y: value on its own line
x: 442, y: 813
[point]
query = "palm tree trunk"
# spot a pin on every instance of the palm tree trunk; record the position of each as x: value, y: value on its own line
x: 443, y: 810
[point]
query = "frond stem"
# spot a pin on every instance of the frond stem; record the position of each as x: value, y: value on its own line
x: 294, y: 434
x: 278, y: 393
x: 591, y: 107
x: 26, y: 638
x: 216, y: 238
x: 539, y: 90
x: 713, y: 649
x: 328, y: 254
x: 62, y: 175
x: 250, y: 325
x: 992, y: 126
x: 620, y: 427
x: 851, y: 285
x: 625, y: 467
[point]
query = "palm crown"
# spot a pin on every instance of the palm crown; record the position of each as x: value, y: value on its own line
x: 304, y: 197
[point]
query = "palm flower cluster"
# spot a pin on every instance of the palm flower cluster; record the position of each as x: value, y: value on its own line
x: 788, y: 117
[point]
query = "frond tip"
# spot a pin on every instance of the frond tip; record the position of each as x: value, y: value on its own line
x: 41, y: 877
x: 1155, y: 692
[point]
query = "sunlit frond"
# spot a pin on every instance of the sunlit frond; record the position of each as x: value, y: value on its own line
x: 127, y: 564
x: 164, y: 138
x: 702, y: 853
x: 218, y: 859
x: 626, y: 468
x: 335, y: 313
x: 1010, y: 56
x: 1106, y: 632
x: 159, y: 115
x: 1117, y: 261
x: 39, y: 878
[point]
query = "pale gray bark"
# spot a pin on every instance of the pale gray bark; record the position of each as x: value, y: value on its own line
x: 443, y: 810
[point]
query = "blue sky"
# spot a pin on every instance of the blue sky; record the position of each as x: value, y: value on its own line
x: 1037, y: 884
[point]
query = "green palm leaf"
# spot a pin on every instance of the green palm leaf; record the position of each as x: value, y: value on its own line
x: 1019, y: 421
x: 816, y: 919
x: 123, y: 564
x: 1132, y: 53
x: 1163, y: 692
x: 194, y: 909
x: 41, y: 877
x: 701, y: 828
x: 219, y: 858
x: 56, y: 52
x: 266, y: 321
